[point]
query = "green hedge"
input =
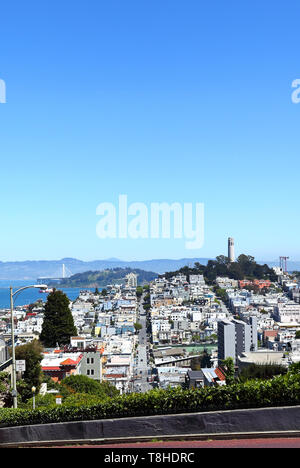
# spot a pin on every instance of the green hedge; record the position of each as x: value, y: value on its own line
x: 279, y: 391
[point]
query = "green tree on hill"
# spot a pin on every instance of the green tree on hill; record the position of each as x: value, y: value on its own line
x: 244, y: 267
x: 58, y: 324
x: 31, y: 353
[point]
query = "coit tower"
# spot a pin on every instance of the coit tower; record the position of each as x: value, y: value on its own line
x: 231, y: 249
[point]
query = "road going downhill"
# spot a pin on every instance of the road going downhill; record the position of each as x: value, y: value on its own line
x: 141, y: 383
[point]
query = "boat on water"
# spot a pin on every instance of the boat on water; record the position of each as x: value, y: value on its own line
x: 48, y: 290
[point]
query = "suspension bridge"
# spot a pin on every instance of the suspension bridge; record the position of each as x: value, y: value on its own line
x: 62, y: 273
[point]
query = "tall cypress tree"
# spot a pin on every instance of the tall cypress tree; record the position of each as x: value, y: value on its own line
x: 58, y: 325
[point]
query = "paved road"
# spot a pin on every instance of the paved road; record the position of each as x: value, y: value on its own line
x: 292, y: 442
x: 142, y: 361
x: 272, y: 442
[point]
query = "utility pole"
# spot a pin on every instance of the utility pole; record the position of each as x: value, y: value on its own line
x: 14, y: 374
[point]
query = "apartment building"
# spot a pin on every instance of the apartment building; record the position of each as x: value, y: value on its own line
x: 236, y: 337
x: 288, y: 313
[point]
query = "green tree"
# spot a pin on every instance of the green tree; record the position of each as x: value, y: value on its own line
x: 201, y: 362
x: 32, y: 354
x: 228, y: 366
x: 261, y: 371
x: 236, y: 271
x: 41, y: 402
x: 205, y: 359
x: 222, y: 294
x: 58, y: 324
x: 294, y: 368
x: 81, y: 384
x: 222, y: 260
x: 138, y: 326
x: 147, y: 298
x: 5, y: 394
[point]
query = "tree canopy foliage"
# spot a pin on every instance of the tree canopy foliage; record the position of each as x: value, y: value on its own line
x: 76, y: 390
x: 103, y: 278
x: 31, y: 353
x: 261, y: 371
x: 58, y: 325
x: 81, y: 384
x: 244, y: 267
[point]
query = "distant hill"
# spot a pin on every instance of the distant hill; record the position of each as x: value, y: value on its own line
x: 31, y: 270
x: 245, y: 267
x: 99, y: 279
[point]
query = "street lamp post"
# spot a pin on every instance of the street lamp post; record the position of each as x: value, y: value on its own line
x: 33, y: 397
x: 14, y: 373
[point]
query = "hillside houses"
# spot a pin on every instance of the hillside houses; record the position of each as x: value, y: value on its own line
x: 184, y: 315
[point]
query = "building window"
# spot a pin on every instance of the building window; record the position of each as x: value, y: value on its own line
x: 199, y: 383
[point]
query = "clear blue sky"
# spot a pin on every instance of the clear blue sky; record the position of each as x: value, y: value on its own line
x: 161, y: 100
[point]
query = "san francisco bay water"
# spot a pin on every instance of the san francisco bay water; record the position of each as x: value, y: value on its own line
x: 28, y: 296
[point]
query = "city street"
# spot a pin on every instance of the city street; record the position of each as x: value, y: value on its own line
x: 142, y: 366
x: 272, y: 442
x: 179, y: 445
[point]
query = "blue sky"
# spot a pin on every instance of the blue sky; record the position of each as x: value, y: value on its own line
x: 164, y: 101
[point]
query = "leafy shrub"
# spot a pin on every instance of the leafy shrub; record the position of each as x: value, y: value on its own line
x: 83, y: 384
x: 83, y: 399
x: 5, y: 394
x: 283, y: 390
x: 41, y: 401
x: 261, y: 371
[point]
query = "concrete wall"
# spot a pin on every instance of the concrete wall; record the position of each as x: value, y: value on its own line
x: 218, y: 422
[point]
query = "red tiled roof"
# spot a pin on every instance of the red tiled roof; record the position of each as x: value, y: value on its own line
x: 220, y: 374
x: 69, y: 362
x: 270, y: 332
